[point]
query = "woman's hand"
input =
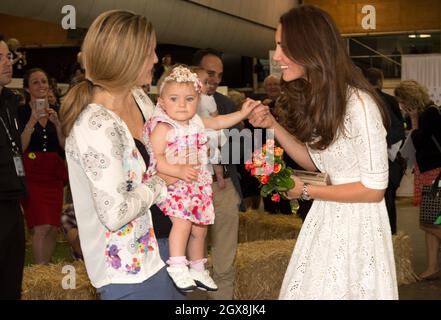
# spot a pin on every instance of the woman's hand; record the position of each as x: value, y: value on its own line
x: 248, y: 106
x: 412, y: 112
x: 36, y: 115
x: 261, y: 117
x: 405, y: 108
x: 168, y: 179
x: 296, y: 192
x: 53, y: 117
x: 188, y: 173
x: 414, y: 117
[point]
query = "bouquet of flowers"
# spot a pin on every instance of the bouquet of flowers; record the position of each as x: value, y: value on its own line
x: 268, y: 167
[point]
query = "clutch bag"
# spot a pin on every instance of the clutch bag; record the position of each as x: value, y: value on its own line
x: 312, y: 177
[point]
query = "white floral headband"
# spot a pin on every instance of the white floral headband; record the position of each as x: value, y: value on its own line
x: 182, y: 74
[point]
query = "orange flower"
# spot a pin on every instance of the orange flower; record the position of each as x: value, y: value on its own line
x: 257, y: 163
x: 264, y: 179
x: 278, y: 152
x: 277, y: 167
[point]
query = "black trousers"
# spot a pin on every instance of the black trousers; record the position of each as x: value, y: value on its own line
x: 396, y: 172
x: 12, y: 249
x: 389, y: 197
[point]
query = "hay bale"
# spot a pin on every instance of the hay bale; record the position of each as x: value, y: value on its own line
x: 403, y: 259
x: 261, y: 265
x: 255, y: 226
x: 44, y: 282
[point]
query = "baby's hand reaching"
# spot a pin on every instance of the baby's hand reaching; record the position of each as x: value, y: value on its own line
x: 188, y: 173
x: 248, y: 106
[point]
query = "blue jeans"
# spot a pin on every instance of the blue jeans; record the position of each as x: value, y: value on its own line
x: 157, y: 287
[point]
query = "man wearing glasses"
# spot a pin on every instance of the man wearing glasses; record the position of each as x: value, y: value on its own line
x: 12, y: 186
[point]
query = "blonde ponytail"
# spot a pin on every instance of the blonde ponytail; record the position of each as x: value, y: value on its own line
x: 75, y: 101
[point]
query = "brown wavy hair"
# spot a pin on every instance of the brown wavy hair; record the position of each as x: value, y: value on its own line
x: 26, y: 77
x: 313, y: 110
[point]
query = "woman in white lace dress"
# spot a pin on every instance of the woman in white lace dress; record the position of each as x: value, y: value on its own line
x: 331, y: 120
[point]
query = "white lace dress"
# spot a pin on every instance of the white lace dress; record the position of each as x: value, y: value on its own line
x: 344, y: 250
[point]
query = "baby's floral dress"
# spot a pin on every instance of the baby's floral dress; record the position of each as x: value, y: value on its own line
x: 192, y: 201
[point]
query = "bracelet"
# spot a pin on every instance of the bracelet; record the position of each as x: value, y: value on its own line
x: 305, y: 194
x: 31, y: 130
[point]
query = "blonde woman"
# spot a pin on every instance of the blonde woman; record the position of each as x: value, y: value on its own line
x: 425, y: 119
x: 19, y: 58
x: 123, y: 234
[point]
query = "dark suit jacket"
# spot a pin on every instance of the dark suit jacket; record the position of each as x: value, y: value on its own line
x: 11, y: 186
x: 395, y: 132
x: 225, y: 106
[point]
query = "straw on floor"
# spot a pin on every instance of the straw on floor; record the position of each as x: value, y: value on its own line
x: 45, y: 282
x: 261, y: 265
x: 254, y: 226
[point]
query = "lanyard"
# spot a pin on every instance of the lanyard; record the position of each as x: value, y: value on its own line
x: 14, y: 145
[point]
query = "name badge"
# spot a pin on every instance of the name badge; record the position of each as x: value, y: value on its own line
x: 19, y: 168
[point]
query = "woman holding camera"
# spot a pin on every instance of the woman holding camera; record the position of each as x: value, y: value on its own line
x: 43, y: 144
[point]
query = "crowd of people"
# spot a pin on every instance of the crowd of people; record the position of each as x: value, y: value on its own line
x: 147, y: 201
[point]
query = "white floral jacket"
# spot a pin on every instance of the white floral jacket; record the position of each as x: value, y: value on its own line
x: 112, y: 197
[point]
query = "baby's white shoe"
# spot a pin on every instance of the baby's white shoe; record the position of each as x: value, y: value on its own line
x: 203, y: 280
x: 182, y: 278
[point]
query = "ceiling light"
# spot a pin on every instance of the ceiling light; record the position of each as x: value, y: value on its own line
x: 423, y: 35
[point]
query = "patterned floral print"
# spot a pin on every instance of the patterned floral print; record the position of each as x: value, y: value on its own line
x: 94, y: 163
x: 125, y: 230
x: 113, y: 199
x: 112, y: 256
x: 103, y: 202
x: 141, y: 227
x: 135, y: 267
x: 73, y: 152
x: 191, y: 201
x: 97, y: 119
x: 117, y: 144
x: 146, y: 242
